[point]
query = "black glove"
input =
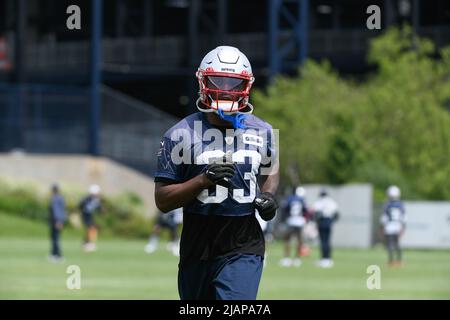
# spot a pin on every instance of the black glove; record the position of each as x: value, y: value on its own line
x: 266, y: 205
x: 220, y: 173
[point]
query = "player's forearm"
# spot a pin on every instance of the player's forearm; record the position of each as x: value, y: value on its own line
x: 172, y: 196
x: 270, y: 183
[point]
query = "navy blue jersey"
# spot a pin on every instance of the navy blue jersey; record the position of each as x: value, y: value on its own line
x: 295, y: 206
x: 90, y: 205
x: 393, y: 218
x: 394, y: 210
x: 220, y: 221
x: 57, y: 208
x: 192, y: 143
x: 294, y: 209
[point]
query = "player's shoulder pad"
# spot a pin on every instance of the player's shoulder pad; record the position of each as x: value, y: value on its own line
x: 254, y: 121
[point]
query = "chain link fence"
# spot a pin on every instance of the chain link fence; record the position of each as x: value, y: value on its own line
x: 168, y: 53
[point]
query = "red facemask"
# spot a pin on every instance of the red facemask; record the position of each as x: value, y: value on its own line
x: 224, y: 91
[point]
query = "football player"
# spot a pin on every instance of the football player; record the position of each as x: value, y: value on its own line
x: 89, y: 206
x: 57, y: 217
x: 219, y: 164
x: 326, y: 214
x: 169, y: 221
x: 393, y: 222
x: 295, y: 213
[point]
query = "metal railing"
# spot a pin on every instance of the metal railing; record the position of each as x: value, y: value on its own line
x: 55, y: 119
x: 131, y: 130
x: 170, y: 52
x: 42, y: 118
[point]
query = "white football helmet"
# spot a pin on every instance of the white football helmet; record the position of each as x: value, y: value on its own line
x: 300, y: 191
x: 94, y: 189
x: 393, y: 192
x: 225, y: 78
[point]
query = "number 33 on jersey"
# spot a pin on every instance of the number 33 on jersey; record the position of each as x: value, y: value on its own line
x: 189, y: 146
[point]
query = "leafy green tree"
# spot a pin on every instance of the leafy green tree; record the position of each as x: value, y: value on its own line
x: 391, y: 128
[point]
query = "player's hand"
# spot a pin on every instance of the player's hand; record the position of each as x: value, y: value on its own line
x: 220, y: 173
x: 58, y: 225
x: 266, y: 205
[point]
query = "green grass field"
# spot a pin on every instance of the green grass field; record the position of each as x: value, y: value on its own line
x: 121, y: 270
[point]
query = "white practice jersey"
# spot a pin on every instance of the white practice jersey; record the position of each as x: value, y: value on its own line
x: 327, y: 206
x: 393, y: 218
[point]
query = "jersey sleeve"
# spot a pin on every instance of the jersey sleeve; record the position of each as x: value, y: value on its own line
x: 304, y: 207
x: 82, y: 204
x: 167, y: 166
x: 403, y: 216
x: 335, y: 207
x: 58, y: 208
x: 384, y: 215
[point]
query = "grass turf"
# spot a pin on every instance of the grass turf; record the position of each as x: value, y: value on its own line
x: 121, y: 270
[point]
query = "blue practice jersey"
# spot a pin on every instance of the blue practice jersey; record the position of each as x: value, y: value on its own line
x: 393, y: 218
x: 90, y: 205
x: 192, y: 143
x: 394, y: 209
x: 57, y: 208
x: 295, y: 206
x: 294, y: 210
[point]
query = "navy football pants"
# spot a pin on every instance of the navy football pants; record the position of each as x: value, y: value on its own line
x: 235, y: 277
x: 392, y: 243
x: 325, y: 237
x: 54, y: 234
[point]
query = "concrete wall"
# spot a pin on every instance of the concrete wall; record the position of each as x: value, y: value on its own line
x: 79, y: 170
x: 427, y: 224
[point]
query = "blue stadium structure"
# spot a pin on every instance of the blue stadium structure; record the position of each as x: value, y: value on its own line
x: 115, y: 85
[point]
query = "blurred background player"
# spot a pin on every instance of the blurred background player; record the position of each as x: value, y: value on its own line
x: 294, y: 217
x: 326, y: 214
x: 57, y: 217
x: 89, y: 206
x: 171, y: 222
x: 393, y: 224
x: 310, y: 235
